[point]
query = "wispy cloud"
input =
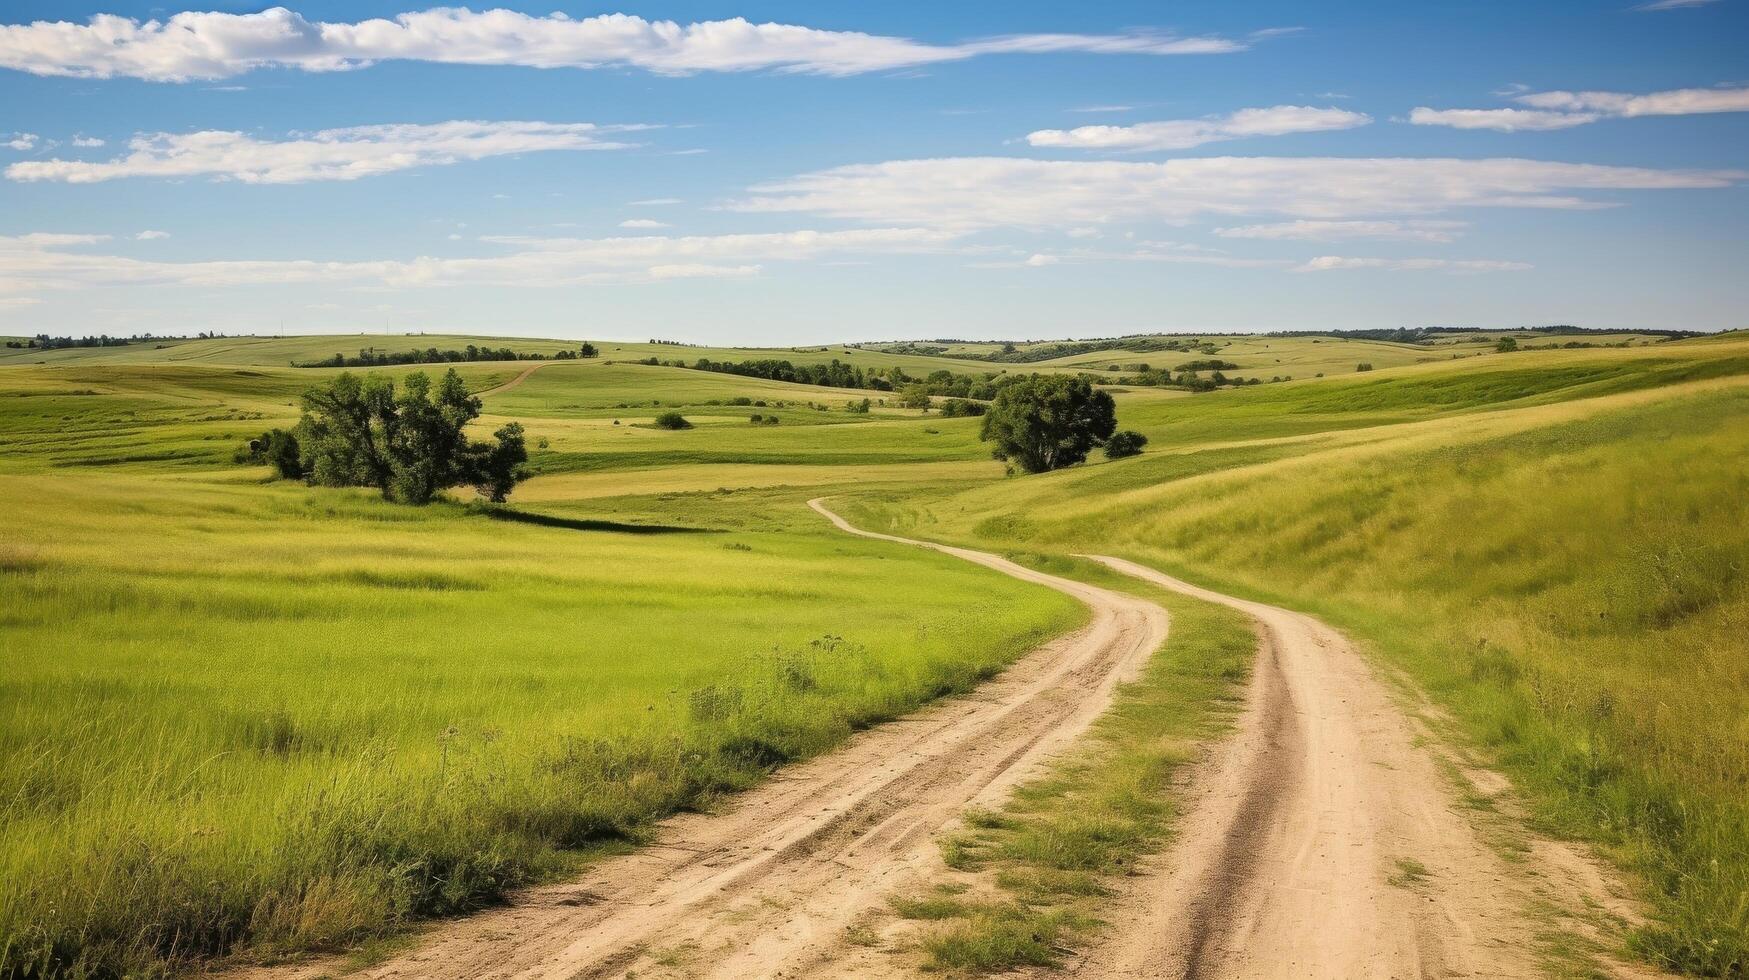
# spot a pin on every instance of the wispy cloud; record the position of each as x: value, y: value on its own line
x: 212, y: 44
x: 642, y: 223
x: 22, y: 141
x: 39, y: 262
x: 1179, y: 134
x: 151, y: 236
x: 334, y: 154
x: 1334, y: 231
x: 1562, y: 110
x: 1673, y: 4
x: 1333, y: 263
x: 1500, y: 120
x: 974, y: 192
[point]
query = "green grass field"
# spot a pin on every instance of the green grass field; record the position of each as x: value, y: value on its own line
x: 1553, y: 547
x: 259, y: 717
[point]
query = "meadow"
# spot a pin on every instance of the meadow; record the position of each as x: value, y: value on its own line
x: 262, y: 714
x: 254, y: 719
x: 1552, y: 549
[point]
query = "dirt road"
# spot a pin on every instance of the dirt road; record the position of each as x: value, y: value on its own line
x: 1320, y: 840
x: 769, y: 886
x: 1323, y: 840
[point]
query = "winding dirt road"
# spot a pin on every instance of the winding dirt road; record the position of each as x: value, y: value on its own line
x: 1320, y: 840
x: 769, y: 886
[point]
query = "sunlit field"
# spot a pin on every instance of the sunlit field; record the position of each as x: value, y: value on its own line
x: 295, y: 717
x: 1554, y: 551
x: 252, y: 718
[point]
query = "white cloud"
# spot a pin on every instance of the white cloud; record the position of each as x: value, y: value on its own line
x: 210, y: 45
x: 1330, y: 263
x: 653, y: 202
x: 1041, y: 259
x: 643, y: 223
x: 22, y: 141
x: 49, y: 261
x: 1503, y: 120
x: 334, y: 154
x: 1179, y: 134
x: 1104, y: 108
x: 149, y: 235
x: 1561, y: 109
x: 699, y: 270
x: 1332, y: 231
x: 1673, y: 4
x: 1083, y: 233
x: 1676, y: 102
x: 974, y: 192
x: 87, y: 142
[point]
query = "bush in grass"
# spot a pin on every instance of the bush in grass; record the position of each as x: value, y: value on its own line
x: 955, y: 408
x: 1363, y: 366
x: 672, y: 420
x: 276, y: 448
x: 857, y: 407
x: 915, y: 395
x: 1125, y: 443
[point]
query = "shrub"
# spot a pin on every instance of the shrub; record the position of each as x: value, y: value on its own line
x: 672, y: 420
x: 276, y: 448
x: 857, y: 407
x: 955, y: 408
x: 1125, y: 443
x: 1363, y: 366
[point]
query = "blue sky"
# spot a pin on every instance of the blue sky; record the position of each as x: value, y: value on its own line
x: 872, y: 171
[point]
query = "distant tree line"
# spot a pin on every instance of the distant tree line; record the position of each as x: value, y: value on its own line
x: 1188, y: 378
x: 410, y: 445
x: 1011, y: 353
x: 43, y: 341
x: 1423, y: 336
x: 371, y: 357
x: 913, y: 391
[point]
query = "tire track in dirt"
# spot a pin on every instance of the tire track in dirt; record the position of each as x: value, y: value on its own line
x: 1323, y: 840
x: 769, y: 886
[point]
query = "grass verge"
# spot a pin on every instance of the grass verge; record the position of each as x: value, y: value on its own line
x: 1045, y: 863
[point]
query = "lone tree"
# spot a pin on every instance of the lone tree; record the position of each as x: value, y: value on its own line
x: 1045, y: 423
x: 409, y: 446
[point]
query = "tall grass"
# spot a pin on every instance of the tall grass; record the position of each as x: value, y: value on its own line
x: 287, y: 719
x: 1569, y: 579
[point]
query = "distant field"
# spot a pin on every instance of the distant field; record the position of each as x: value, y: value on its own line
x: 249, y: 714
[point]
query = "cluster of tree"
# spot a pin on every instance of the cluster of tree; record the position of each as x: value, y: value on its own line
x: 955, y: 408
x: 1048, y: 422
x: 838, y: 374
x: 1186, y: 380
x: 45, y: 342
x: 371, y: 357
x: 1214, y: 364
x: 409, y: 445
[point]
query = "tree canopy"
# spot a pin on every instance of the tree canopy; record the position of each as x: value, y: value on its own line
x: 360, y: 433
x: 1045, y: 423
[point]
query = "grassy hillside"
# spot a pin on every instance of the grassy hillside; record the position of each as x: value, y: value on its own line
x: 239, y: 712
x: 1552, y: 545
x: 242, y: 713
